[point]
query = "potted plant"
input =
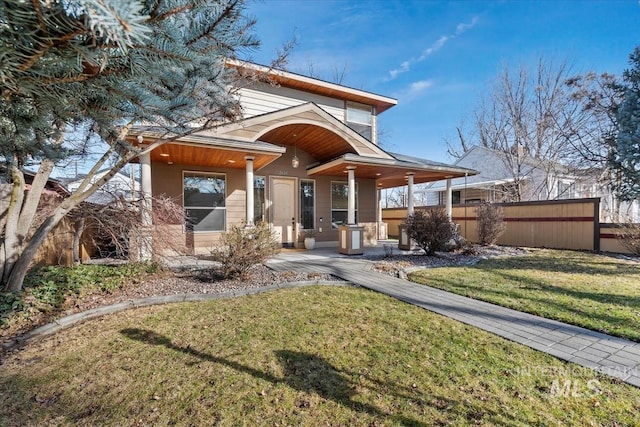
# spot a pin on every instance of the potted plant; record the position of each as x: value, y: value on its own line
x: 310, y: 239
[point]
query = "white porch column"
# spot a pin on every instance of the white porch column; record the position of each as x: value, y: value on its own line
x: 145, y: 188
x: 410, y: 193
x: 250, y: 201
x: 351, y: 207
x: 146, y: 204
x: 379, y: 197
x: 447, y: 200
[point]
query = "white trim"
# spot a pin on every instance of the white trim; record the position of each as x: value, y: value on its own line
x: 356, y: 159
x: 206, y: 173
x: 470, y: 185
x: 288, y: 116
x: 249, y: 192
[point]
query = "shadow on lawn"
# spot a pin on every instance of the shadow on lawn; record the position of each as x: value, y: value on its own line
x: 305, y: 372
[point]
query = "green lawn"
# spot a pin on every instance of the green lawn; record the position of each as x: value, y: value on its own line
x: 594, y: 291
x: 305, y: 357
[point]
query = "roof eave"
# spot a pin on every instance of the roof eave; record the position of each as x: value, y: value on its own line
x: 289, y: 79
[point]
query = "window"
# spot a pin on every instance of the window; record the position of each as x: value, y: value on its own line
x: 455, y: 197
x: 204, y: 201
x: 359, y: 118
x: 258, y: 198
x: 307, y: 204
x: 566, y: 189
x: 340, y: 203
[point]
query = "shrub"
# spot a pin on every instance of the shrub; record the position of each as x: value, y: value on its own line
x: 457, y: 241
x: 630, y: 237
x: 47, y: 289
x: 430, y: 230
x: 490, y: 223
x: 243, y: 247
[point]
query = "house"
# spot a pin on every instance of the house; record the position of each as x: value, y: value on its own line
x: 57, y: 247
x: 120, y: 186
x: 303, y: 156
x: 538, y: 180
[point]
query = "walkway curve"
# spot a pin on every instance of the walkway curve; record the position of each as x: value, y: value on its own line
x: 617, y: 357
x: 73, y: 319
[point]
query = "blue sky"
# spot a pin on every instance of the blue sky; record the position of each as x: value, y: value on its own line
x: 437, y: 58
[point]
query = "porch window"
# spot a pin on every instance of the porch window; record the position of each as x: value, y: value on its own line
x: 204, y: 201
x: 307, y: 204
x: 359, y: 118
x: 258, y: 198
x: 340, y: 203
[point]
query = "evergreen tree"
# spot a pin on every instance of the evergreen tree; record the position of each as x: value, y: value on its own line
x: 626, y: 160
x: 101, y: 66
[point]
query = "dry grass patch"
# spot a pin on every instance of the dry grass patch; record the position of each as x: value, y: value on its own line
x: 306, y: 356
x: 598, y: 292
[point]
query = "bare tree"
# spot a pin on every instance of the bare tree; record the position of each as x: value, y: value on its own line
x: 395, y: 197
x: 338, y: 73
x: 539, y: 120
x: 457, y: 147
x: 115, y: 227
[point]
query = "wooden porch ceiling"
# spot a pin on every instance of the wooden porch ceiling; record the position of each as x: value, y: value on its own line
x: 220, y: 154
x: 205, y: 156
x: 392, y: 174
x: 322, y: 144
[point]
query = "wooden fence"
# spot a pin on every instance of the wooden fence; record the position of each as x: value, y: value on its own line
x: 57, y: 249
x: 560, y: 224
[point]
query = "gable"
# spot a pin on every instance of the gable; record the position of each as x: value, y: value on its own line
x: 307, y: 127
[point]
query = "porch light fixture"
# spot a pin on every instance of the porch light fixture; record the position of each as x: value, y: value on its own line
x: 164, y: 155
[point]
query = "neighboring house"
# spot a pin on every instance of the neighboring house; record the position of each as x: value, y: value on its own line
x: 56, y: 249
x: 291, y: 161
x: 121, y: 186
x: 539, y: 180
x: 53, y: 189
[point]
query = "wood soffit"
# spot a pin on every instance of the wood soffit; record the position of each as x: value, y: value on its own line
x: 322, y: 144
x: 192, y: 155
x: 387, y: 177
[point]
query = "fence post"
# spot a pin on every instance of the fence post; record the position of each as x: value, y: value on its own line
x: 596, y: 225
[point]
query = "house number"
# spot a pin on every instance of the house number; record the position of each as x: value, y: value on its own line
x: 284, y: 173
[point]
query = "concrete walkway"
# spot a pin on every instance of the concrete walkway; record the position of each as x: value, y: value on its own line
x: 617, y: 357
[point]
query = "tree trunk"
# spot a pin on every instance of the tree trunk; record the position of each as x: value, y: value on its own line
x: 79, y: 227
x: 33, y: 198
x: 15, y: 268
x: 19, y: 269
x: 10, y: 248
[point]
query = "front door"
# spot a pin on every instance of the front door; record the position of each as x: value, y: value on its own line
x: 283, y: 196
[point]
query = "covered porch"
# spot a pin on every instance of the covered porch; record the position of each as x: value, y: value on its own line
x: 301, y: 170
